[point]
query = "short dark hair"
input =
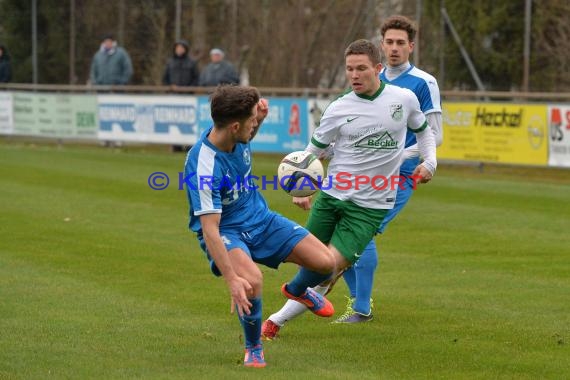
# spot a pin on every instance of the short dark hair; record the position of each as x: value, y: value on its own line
x: 401, y: 23
x: 364, y: 47
x: 230, y: 103
x: 108, y: 36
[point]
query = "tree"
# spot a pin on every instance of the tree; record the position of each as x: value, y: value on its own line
x: 492, y: 33
x: 550, y: 57
x: 292, y: 43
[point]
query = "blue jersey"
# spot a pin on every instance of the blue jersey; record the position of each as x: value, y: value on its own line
x: 424, y: 86
x: 220, y: 182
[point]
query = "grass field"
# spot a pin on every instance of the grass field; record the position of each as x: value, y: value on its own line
x: 99, y: 278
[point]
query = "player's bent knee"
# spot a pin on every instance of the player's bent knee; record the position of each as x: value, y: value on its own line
x: 256, y: 282
x: 326, y: 264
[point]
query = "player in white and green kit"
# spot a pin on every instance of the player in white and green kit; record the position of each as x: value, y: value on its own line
x: 368, y: 127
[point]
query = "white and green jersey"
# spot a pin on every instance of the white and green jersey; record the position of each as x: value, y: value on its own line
x: 369, y: 135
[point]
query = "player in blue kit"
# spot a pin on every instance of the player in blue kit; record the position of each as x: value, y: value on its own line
x: 234, y: 226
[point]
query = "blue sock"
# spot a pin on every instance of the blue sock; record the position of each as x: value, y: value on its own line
x: 305, y: 279
x: 364, y: 269
x: 252, y: 324
x: 350, y: 279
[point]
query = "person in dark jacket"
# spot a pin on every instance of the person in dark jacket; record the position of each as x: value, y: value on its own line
x: 111, y: 64
x: 5, y: 65
x: 219, y: 71
x: 181, y: 70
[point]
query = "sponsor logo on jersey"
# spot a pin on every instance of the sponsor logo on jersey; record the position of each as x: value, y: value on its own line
x: 397, y: 111
x: 365, y: 132
x: 378, y: 141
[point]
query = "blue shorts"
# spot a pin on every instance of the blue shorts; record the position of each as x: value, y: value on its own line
x: 403, y: 194
x: 269, y: 244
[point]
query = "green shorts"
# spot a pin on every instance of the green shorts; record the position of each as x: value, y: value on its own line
x: 345, y: 225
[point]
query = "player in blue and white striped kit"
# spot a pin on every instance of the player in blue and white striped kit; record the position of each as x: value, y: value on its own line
x: 398, y: 33
x: 234, y: 226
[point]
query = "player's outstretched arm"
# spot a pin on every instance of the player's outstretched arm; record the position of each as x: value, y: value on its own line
x: 436, y: 124
x: 426, y: 145
x: 239, y: 287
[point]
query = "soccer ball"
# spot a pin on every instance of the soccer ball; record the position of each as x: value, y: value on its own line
x: 300, y: 174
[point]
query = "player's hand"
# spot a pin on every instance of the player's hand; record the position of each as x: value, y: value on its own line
x: 239, y: 290
x: 304, y: 202
x: 421, y: 174
x: 262, y: 110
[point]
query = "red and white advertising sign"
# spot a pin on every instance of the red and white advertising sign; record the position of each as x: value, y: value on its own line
x: 559, y: 135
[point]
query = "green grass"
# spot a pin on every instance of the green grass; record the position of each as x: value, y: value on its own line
x: 99, y: 278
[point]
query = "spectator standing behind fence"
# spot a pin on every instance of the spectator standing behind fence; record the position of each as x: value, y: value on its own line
x: 181, y: 70
x: 218, y: 71
x: 5, y: 65
x: 111, y: 64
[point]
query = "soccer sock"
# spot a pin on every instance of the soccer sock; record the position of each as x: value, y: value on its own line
x: 349, y: 276
x: 291, y: 309
x: 365, y: 268
x: 305, y: 279
x: 252, y: 324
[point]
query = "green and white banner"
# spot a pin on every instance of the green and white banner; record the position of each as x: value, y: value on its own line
x: 6, y: 119
x: 55, y: 115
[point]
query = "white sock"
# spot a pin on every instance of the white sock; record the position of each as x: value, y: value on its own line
x: 292, y: 309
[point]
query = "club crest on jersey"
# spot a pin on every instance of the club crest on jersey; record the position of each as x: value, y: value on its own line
x: 396, y: 111
x: 246, y: 156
